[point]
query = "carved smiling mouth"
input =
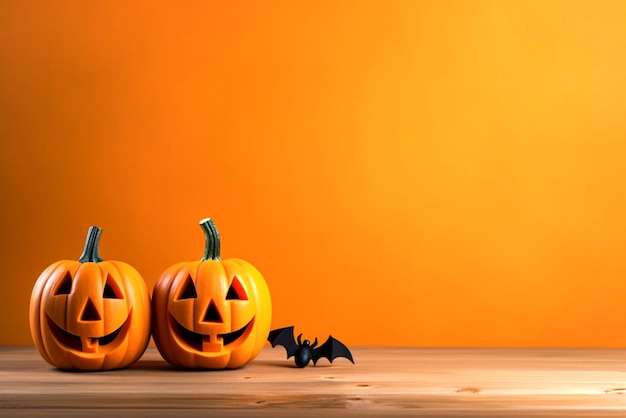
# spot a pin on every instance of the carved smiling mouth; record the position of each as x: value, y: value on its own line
x: 202, y: 342
x: 84, y: 344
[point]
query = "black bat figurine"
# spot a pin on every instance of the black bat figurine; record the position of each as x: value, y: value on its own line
x: 304, y: 351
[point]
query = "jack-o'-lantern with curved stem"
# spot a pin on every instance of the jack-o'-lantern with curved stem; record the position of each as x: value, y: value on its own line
x: 211, y: 313
x: 90, y: 314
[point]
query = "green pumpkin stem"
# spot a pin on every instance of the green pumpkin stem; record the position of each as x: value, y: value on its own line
x: 91, y: 253
x: 212, y: 240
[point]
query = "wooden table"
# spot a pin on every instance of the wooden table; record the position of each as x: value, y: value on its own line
x: 383, y: 382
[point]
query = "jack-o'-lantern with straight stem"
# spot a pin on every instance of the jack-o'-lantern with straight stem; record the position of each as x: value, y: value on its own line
x: 211, y: 313
x: 90, y: 314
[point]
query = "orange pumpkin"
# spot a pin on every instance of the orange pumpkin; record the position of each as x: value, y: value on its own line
x: 90, y: 314
x: 211, y: 314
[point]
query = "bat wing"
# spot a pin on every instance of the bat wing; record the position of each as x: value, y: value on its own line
x: 284, y: 337
x: 332, y: 349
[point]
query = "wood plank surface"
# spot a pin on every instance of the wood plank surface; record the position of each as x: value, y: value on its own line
x: 383, y: 382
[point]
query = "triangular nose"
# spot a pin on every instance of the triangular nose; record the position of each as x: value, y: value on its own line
x: 212, y: 314
x: 90, y: 313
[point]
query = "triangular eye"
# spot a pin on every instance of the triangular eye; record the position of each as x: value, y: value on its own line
x: 90, y: 312
x: 189, y: 289
x: 212, y: 314
x: 65, y: 287
x: 236, y: 291
x: 111, y: 290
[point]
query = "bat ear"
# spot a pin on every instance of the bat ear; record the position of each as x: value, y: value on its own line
x: 300, y: 339
x: 314, y: 343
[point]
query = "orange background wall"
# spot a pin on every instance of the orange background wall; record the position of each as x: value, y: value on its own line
x: 424, y: 173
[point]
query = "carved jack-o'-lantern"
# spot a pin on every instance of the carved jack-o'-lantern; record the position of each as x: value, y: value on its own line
x: 90, y: 314
x: 211, y: 314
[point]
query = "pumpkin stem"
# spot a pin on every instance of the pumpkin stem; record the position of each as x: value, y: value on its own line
x: 91, y: 253
x: 212, y: 240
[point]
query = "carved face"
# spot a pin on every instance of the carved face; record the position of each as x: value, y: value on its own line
x: 211, y: 314
x: 90, y: 315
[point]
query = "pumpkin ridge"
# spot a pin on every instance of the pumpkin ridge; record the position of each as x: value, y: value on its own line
x: 37, y: 310
x: 163, y: 290
x: 260, y: 293
x: 142, y: 288
x: 119, y: 271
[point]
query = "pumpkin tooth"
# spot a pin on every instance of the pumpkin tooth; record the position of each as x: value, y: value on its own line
x: 210, y: 347
x: 90, y: 345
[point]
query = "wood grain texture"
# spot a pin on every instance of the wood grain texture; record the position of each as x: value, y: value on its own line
x: 383, y: 382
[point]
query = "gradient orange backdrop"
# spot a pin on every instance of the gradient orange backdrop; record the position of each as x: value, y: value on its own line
x: 419, y: 173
